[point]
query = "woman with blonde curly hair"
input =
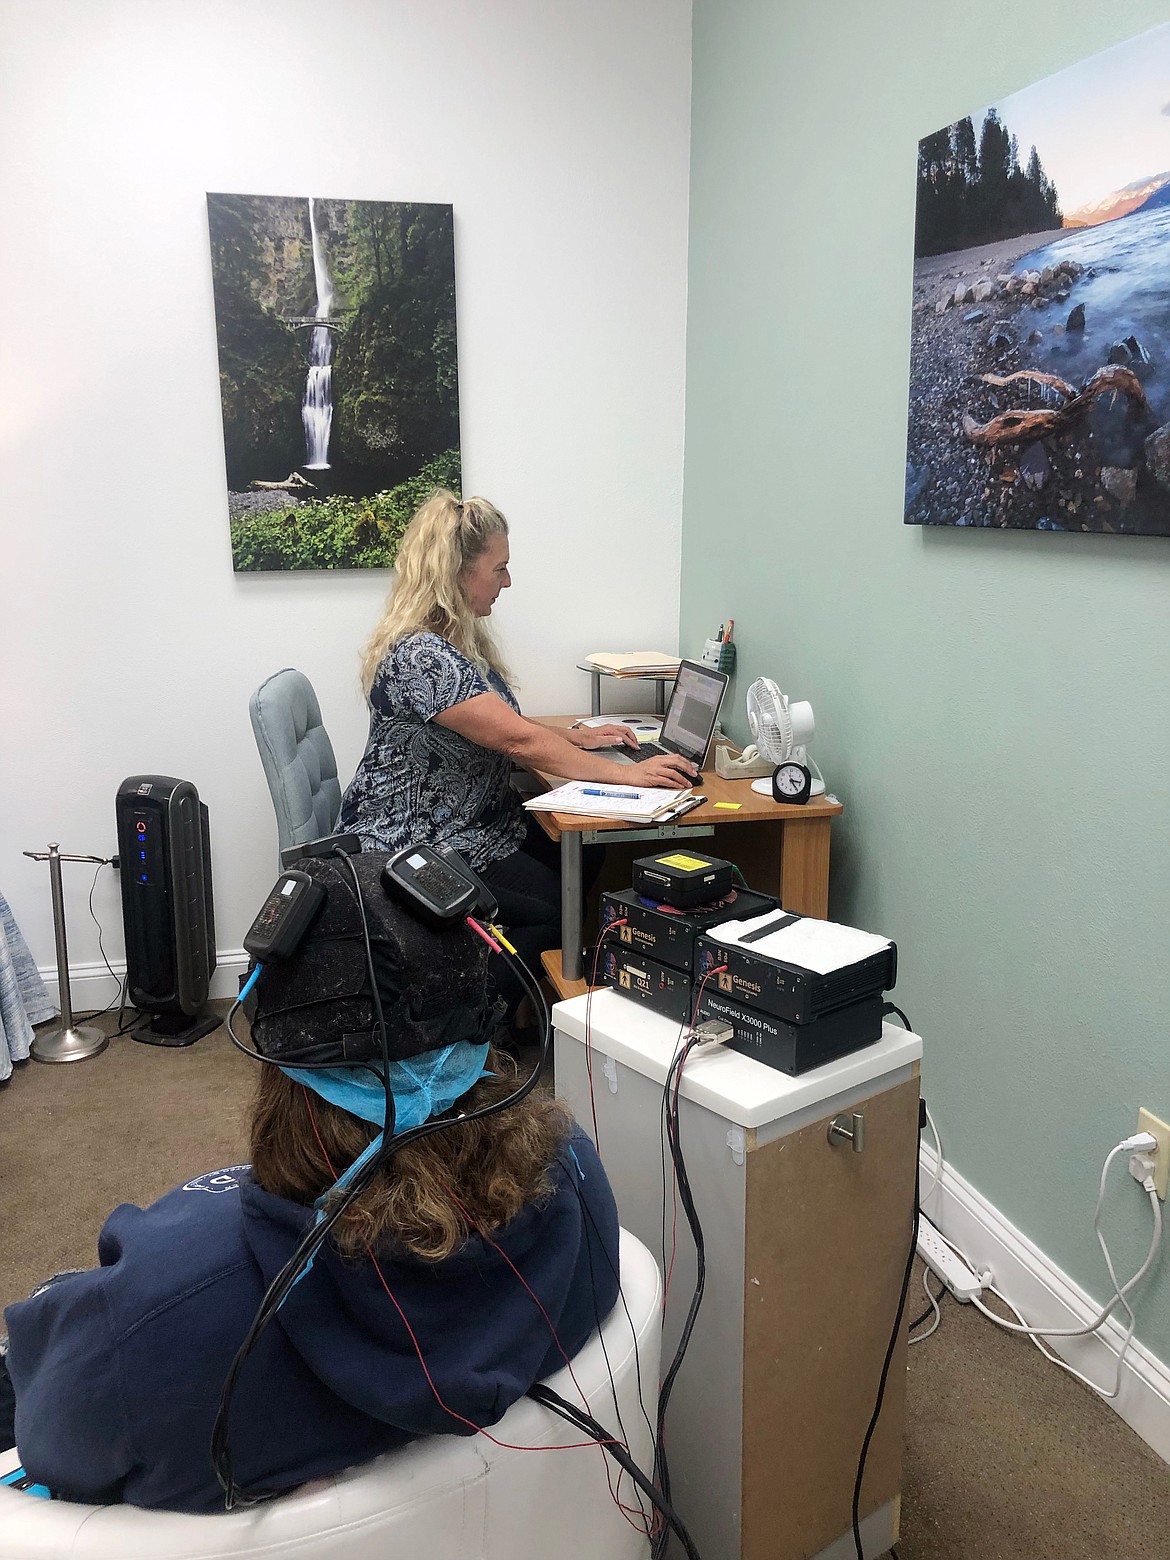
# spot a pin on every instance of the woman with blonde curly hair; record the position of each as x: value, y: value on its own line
x: 446, y: 728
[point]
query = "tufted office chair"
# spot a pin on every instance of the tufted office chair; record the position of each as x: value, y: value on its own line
x: 448, y: 1497
x: 297, y: 756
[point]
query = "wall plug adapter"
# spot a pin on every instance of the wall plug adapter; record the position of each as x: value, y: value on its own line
x: 950, y: 1267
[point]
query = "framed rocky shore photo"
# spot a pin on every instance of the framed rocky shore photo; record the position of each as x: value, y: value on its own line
x: 338, y: 373
x: 1040, y: 334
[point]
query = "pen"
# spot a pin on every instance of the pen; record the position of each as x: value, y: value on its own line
x: 596, y: 790
x: 683, y: 807
x: 730, y: 626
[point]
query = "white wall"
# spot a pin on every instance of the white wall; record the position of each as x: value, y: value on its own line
x: 560, y: 134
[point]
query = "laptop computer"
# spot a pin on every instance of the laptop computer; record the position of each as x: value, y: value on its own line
x: 689, y: 722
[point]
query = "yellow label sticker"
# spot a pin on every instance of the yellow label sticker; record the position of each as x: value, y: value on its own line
x: 683, y: 863
x: 730, y: 806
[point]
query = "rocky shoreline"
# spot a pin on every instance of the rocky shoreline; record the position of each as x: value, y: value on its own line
x: 996, y: 437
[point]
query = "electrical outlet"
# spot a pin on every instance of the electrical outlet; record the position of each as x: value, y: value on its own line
x: 1148, y: 1122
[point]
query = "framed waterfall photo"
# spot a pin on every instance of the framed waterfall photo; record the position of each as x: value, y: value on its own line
x: 1040, y: 334
x: 339, y: 382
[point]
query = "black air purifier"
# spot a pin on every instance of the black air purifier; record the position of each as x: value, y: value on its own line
x: 165, y: 856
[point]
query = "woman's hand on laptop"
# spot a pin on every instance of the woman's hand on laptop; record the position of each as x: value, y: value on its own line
x: 671, y: 771
x: 604, y: 736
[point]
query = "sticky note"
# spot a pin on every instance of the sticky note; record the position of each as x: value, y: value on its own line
x: 730, y: 806
x: 683, y: 863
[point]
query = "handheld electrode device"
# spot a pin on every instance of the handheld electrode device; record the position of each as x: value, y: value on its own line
x: 437, y: 887
x: 285, y: 917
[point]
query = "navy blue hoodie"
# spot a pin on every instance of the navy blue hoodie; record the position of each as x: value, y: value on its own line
x: 118, y: 1371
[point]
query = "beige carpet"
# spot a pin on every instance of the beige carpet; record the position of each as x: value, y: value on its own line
x: 1007, y: 1458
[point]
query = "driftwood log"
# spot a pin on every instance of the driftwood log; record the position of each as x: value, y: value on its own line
x: 293, y: 483
x: 1025, y: 426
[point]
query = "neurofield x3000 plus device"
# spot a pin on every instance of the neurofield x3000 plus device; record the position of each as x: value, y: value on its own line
x: 682, y: 878
x: 794, y: 1048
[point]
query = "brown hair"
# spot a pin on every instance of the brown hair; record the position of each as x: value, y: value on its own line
x: 301, y: 1144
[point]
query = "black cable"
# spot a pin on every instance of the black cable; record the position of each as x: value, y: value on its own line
x: 918, y: 1320
x: 599, y: 1319
x: 685, y: 1196
x: 892, y: 1007
x: 585, y: 1422
x: 894, y: 1332
x: 120, y: 995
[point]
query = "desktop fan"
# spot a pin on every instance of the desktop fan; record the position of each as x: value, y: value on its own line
x: 780, y: 730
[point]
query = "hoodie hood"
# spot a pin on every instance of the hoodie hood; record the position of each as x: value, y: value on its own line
x: 360, y: 1329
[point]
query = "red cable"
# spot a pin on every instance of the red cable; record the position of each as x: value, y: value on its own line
x: 476, y: 927
x: 499, y: 1250
x: 506, y: 1445
x: 605, y: 931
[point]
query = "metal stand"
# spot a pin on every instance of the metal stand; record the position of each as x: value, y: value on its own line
x: 66, y: 1043
x: 595, y: 676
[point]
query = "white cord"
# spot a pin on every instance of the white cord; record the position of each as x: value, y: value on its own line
x: 1119, y: 1298
x: 1055, y: 1358
x: 1120, y: 1291
x: 922, y: 1337
x: 938, y: 1159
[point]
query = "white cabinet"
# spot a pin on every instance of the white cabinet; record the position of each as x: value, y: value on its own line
x: 806, y: 1243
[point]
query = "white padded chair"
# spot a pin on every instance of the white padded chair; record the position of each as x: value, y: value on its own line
x: 444, y: 1498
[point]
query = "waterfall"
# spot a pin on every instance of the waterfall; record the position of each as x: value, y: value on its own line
x: 317, y: 406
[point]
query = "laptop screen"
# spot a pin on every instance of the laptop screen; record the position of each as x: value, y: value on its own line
x: 694, y: 708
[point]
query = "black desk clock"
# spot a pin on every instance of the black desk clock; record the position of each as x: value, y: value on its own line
x: 791, y: 782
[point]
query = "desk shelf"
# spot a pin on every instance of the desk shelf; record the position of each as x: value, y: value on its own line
x: 596, y: 673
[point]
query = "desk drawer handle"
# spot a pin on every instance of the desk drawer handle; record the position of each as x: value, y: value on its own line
x: 848, y: 1129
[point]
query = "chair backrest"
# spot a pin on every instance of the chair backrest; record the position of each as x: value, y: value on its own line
x: 297, y: 756
x: 449, y: 1497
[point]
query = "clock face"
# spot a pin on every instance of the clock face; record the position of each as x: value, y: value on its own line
x: 791, y: 779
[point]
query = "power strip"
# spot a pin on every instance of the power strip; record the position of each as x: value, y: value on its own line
x: 954, y: 1272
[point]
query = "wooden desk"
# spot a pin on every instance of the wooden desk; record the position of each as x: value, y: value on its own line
x: 802, y: 883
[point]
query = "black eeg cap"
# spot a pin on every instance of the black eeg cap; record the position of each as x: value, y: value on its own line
x: 317, y: 1006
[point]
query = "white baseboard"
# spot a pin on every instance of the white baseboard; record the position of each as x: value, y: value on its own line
x: 1047, y: 1297
x: 92, y: 987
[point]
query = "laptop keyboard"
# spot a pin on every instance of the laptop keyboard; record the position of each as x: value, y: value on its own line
x: 624, y: 755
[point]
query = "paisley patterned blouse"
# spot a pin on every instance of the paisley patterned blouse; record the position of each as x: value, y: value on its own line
x: 419, y: 782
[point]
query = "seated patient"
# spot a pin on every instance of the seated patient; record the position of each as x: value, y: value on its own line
x: 117, y: 1372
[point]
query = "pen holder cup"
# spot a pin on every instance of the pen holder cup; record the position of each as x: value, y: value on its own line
x: 719, y: 654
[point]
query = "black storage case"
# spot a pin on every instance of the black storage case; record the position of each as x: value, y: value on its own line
x: 788, y: 990
x: 790, y: 1047
x: 669, y: 936
x: 682, y: 878
x: 654, y: 985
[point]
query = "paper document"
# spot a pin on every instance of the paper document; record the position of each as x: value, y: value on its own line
x: 634, y: 663
x: 635, y: 803
x: 645, y: 729
x: 822, y: 946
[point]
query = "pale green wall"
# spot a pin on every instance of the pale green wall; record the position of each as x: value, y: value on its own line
x: 992, y: 708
